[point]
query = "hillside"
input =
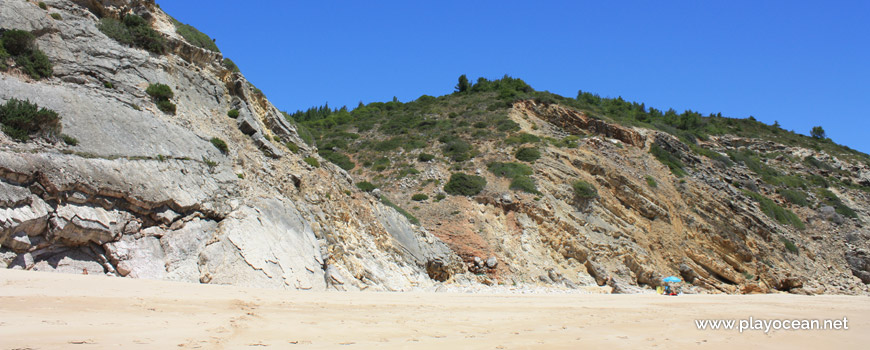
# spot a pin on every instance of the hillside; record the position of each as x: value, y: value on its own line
x: 132, y: 147
x: 163, y: 162
x: 591, y: 190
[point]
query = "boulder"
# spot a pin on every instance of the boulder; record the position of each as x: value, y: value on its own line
x: 859, y: 264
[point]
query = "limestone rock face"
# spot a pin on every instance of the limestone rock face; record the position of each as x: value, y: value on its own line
x: 145, y: 194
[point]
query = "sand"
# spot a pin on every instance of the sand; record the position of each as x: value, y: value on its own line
x: 41, y: 310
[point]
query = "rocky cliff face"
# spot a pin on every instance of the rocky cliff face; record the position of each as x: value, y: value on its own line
x: 709, y: 227
x: 145, y: 194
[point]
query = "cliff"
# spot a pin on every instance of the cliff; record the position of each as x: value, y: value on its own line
x: 220, y: 188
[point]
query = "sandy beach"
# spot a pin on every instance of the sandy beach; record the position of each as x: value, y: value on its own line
x: 41, y: 310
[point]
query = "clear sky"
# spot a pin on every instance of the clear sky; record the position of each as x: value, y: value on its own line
x: 802, y: 63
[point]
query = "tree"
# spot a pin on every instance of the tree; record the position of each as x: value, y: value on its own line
x: 776, y: 124
x: 818, y: 132
x: 463, y: 84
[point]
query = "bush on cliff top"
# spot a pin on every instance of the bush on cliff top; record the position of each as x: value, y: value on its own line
x: 194, y: 36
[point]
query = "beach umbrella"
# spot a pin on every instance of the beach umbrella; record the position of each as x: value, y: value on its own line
x: 672, y: 279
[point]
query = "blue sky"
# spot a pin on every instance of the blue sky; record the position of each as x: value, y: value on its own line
x: 801, y: 63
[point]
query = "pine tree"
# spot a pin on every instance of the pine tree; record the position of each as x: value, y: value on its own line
x: 463, y: 84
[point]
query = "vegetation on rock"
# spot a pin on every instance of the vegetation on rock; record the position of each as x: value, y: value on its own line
x: 220, y: 145
x: 20, y: 46
x: 366, y: 186
x: 464, y: 185
x: 669, y: 160
x: 774, y: 211
x: 69, y: 140
x: 135, y: 31
x: 20, y: 119
x: 584, y: 190
x: 194, y: 36
x: 651, y: 182
x: 404, y: 213
x: 312, y: 161
x: 528, y: 154
x: 230, y: 65
x: 161, y: 94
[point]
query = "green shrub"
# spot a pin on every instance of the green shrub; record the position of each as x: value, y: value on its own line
x: 464, y: 185
x: 509, y: 170
x: 413, y: 144
x: 194, y: 36
x: 230, y: 65
x: 160, y: 91
x: 56, y: 16
x: 457, y: 150
x: 3, y: 56
x: 419, y: 197
x: 566, y: 142
x: 220, y: 145
x: 42, y: 5
x: 651, y: 182
x: 439, y: 197
x: 669, y: 160
x: 480, y: 125
x: 22, y: 118
x: 774, y: 211
x: 108, y: 85
x: 69, y: 140
x: 312, y: 161
x: 752, y: 161
x: 786, y: 180
x: 161, y: 94
x: 366, y: 186
x: 116, y: 30
x: 133, y: 30
x: 425, y: 157
x: 292, y: 147
x: 794, y: 196
x: 831, y: 199
x: 388, y: 145
x: 521, y: 138
x: 525, y: 184
x: 166, y: 106
x: 528, y: 154
x: 342, y: 160
x: 18, y: 42
x: 381, y: 164
x: 36, y: 64
x: 789, y: 245
x: 819, y: 181
x: 210, y: 163
x: 19, y: 45
x: 724, y: 160
x: 233, y: 113
x: 507, y: 125
x: 813, y: 162
x: 584, y: 190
